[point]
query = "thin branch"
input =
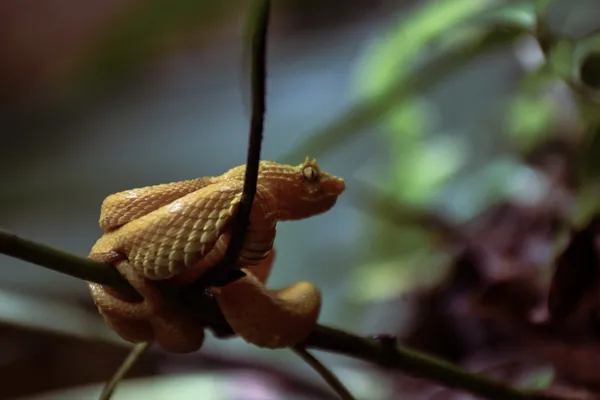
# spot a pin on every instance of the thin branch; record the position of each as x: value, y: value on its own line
x: 415, y: 364
x: 134, y: 355
x: 225, y: 270
x: 322, y: 338
x: 63, y: 262
x: 325, y: 373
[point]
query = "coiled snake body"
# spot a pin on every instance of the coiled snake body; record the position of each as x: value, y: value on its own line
x: 177, y: 231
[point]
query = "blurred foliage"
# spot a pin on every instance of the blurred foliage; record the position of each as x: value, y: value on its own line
x: 432, y: 186
x: 425, y: 73
x: 431, y: 43
x: 393, y: 56
x: 422, y: 164
x: 532, y: 113
x: 142, y: 33
x: 412, y: 60
x: 539, y: 380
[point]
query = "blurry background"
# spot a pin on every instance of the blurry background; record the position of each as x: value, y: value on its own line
x: 465, y: 130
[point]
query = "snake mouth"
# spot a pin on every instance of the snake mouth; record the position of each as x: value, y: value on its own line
x: 334, y: 186
x: 326, y: 204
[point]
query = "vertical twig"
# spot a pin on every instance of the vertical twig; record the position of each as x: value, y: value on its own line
x: 225, y: 270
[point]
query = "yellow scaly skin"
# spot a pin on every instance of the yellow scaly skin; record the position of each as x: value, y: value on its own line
x: 178, y: 231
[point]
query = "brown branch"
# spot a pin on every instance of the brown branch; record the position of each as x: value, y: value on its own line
x: 324, y: 372
x: 415, y: 364
x: 226, y: 271
x: 322, y: 338
x: 134, y: 355
x: 61, y: 261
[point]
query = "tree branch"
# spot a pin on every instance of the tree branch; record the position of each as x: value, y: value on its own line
x: 225, y: 271
x: 322, y: 338
x: 325, y: 373
x: 134, y: 355
x: 415, y: 364
x: 63, y: 262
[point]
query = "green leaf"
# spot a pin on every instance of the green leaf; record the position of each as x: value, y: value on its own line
x: 561, y: 60
x: 587, y: 204
x: 393, y: 56
x: 420, y: 170
x: 542, y: 6
x: 539, y: 379
x: 517, y: 15
x: 530, y: 121
x: 373, y: 110
x: 418, y: 174
x: 407, y: 121
x: 385, y: 280
x: 444, y: 24
x: 380, y: 281
x: 532, y: 113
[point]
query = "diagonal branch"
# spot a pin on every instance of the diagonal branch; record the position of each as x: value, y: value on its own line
x: 322, y: 338
x: 416, y: 364
x: 63, y: 262
x: 134, y: 355
x: 325, y: 373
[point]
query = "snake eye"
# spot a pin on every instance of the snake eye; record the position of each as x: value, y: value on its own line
x: 309, y: 173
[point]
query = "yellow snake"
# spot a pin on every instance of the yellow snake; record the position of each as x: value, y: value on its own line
x: 177, y: 231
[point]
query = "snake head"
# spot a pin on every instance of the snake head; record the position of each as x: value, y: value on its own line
x: 300, y: 191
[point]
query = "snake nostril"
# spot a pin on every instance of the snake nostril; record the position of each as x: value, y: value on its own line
x: 335, y: 186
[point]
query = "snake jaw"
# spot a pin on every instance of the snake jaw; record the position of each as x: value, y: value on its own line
x: 332, y: 185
